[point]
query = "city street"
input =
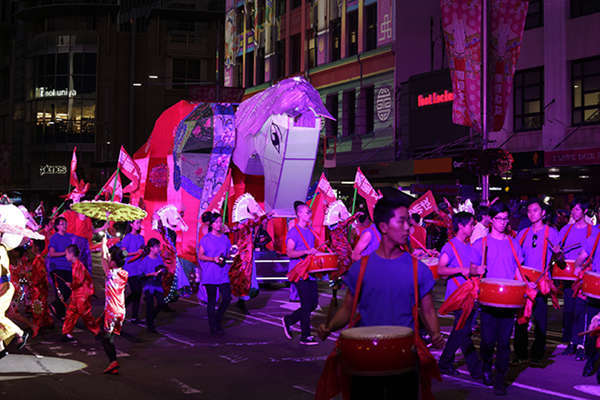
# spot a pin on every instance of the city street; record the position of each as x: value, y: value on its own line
x: 253, y: 360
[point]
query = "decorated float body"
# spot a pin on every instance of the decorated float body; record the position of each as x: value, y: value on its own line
x: 272, y: 139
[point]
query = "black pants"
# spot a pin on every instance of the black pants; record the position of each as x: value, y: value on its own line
x: 136, y: 285
x: 591, y: 352
x: 60, y: 278
x: 568, y: 314
x: 108, y: 343
x: 154, y: 302
x: 496, y: 327
x: 215, y: 315
x: 461, y: 338
x: 392, y: 387
x: 580, y: 321
x: 309, y: 300
x: 539, y: 317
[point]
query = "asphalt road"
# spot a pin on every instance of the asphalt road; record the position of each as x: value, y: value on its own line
x: 252, y: 361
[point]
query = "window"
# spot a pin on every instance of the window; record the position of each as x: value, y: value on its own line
x: 348, y: 113
x: 69, y: 73
x: 585, y: 85
x: 281, y: 7
x: 352, y: 33
x: 312, y: 50
x: 296, y: 3
x: 64, y: 120
x: 280, y: 60
x: 260, y: 66
x: 371, y: 27
x: 370, y: 121
x: 189, y: 71
x: 249, y: 69
x: 261, y: 11
x: 295, y: 53
x: 584, y: 7
x: 239, y: 65
x: 528, y: 99
x: 332, y: 104
x: 335, y: 29
x: 535, y: 14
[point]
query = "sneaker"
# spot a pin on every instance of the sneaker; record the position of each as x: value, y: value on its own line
x: 286, y: 329
x: 570, y: 349
x: 580, y: 354
x: 112, y: 368
x: 518, y: 361
x: 241, y: 304
x: 449, y: 370
x: 3, y: 353
x: 23, y: 341
x: 309, y: 341
x: 68, y: 338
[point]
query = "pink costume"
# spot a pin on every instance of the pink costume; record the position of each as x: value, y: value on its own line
x: 114, y: 305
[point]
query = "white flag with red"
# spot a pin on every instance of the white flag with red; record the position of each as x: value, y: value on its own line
x: 130, y: 169
x: 112, y: 185
x: 324, y: 188
x: 366, y: 190
x: 73, y: 177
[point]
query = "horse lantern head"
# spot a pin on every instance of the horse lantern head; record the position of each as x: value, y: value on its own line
x: 170, y: 218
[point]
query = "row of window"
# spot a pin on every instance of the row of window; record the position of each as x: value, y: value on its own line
x: 585, y: 95
x: 578, y: 8
x: 358, y: 112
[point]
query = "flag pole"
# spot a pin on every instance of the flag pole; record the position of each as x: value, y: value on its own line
x: 225, y: 207
x: 115, y: 185
x: 313, y: 200
x: 485, y: 179
x: 354, y: 201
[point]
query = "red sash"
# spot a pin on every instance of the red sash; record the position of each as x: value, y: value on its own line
x: 300, y: 270
x: 460, y: 263
x: 585, y: 267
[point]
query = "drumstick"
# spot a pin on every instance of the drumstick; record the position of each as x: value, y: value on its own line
x: 421, y: 246
x: 587, y: 332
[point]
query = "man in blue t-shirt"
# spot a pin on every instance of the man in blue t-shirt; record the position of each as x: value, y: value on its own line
x: 456, y: 264
x: 300, y: 242
x: 58, y: 266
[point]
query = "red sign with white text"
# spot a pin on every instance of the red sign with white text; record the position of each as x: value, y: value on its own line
x: 434, y: 98
x: 572, y: 157
x: 424, y: 205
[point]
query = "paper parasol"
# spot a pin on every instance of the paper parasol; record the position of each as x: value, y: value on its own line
x: 109, y: 211
x: 17, y: 230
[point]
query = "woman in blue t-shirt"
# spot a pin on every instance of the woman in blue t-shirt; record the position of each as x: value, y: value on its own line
x: 213, y: 249
x: 151, y: 268
x: 133, y: 243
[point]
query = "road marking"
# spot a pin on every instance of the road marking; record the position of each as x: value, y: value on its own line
x: 303, y: 389
x: 588, y: 389
x: 234, y: 359
x: 186, y: 389
x: 298, y: 359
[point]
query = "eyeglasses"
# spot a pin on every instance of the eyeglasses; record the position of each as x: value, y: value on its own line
x: 534, y: 240
x: 501, y: 219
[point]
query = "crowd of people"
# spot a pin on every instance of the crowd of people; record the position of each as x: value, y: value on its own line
x: 376, y: 263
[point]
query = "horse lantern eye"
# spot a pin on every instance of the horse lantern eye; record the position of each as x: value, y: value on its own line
x: 275, y: 137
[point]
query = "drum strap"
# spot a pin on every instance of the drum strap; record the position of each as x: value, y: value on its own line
x: 564, y: 239
x: 361, y: 275
x: 522, y: 240
x: 589, y: 231
x: 545, y: 253
x: 415, y: 309
x: 460, y: 263
x: 519, y: 270
x: 591, y: 256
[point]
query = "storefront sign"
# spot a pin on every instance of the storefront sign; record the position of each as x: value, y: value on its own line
x: 434, y: 98
x: 383, y: 103
x: 53, y: 170
x: 572, y: 157
x: 45, y: 92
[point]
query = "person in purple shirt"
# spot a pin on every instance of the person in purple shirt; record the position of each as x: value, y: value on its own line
x: 213, y: 248
x: 300, y: 242
x: 58, y: 266
x: 133, y: 243
x: 536, y: 239
x: 150, y: 268
x: 573, y: 236
x: 456, y: 264
x: 497, y: 323
x: 368, y: 240
x: 590, y: 254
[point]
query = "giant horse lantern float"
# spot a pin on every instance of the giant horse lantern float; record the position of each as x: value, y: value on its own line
x: 274, y: 134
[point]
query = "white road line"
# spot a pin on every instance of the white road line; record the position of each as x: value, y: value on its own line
x: 185, y: 388
x: 303, y: 389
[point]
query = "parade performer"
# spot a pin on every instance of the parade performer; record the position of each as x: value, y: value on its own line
x: 369, y: 239
x: 249, y: 217
x: 213, y: 249
x: 152, y: 268
x: 39, y: 289
x: 113, y: 261
x: 8, y: 329
x: 393, y: 289
x: 338, y: 219
x: 133, y: 243
x: 537, y: 243
x: 589, y: 260
x: 59, y: 267
x: 482, y: 227
x: 300, y: 243
x: 456, y: 264
x: 82, y: 289
x: 500, y: 255
x: 572, y: 239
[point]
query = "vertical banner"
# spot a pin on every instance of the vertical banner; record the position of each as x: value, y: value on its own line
x: 366, y: 191
x: 385, y: 22
x: 231, y: 46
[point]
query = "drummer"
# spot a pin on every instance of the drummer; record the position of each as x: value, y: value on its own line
x: 499, y: 254
x: 456, y: 263
x: 572, y: 237
x: 300, y: 242
x: 537, y: 242
x: 589, y: 256
x: 369, y: 238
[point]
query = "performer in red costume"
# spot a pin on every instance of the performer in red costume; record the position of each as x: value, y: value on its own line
x: 338, y: 219
x: 39, y: 289
x: 82, y: 288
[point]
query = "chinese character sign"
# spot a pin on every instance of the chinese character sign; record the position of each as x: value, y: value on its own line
x: 424, y: 205
x: 385, y: 23
x: 366, y: 191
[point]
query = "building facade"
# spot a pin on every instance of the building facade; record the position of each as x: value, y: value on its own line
x: 96, y: 75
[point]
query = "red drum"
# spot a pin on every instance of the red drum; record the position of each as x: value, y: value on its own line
x: 432, y: 263
x: 591, y: 284
x: 324, y: 263
x: 531, y: 274
x: 378, y: 350
x: 502, y: 293
x: 567, y: 274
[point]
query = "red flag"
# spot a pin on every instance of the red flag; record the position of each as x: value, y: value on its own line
x: 325, y: 188
x: 113, y: 184
x: 424, y: 205
x: 130, y: 169
x: 73, y: 177
x: 324, y: 195
x: 366, y: 191
x: 216, y: 204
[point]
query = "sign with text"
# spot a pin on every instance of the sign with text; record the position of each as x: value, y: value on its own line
x: 572, y: 157
x: 383, y: 103
x: 424, y: 205
x: 434, y: 98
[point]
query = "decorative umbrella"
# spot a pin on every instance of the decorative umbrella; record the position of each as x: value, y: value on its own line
x: 109, y: 211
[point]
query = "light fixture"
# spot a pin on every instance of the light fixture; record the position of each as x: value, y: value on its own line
x: 584, y: 177
x: 152, y: 76
x: 137, y: 84
x: 553, y: 170
x: 507, y: 178
x: 347, y: 183
x: 108, y: 142
x: 547, y: 200
x: 554, y: 176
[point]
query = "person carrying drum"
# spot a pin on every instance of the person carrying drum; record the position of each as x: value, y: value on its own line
x: 456, y: 264
x: 572, y: 238
x: 300, y: 242
x: 537, y: 242
x: 499, y: 254
x: 387, y: 293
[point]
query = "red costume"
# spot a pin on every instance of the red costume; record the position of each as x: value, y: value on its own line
x: 39, y: 294
x: 82, y: 288
x: 240, y: 273
x: 114, y: 305
x: 78, y: 226
x: 341, y: 246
